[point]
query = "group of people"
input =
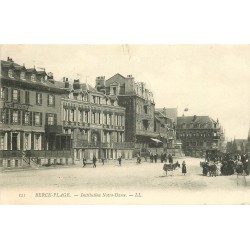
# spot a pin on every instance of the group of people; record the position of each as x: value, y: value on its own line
x: 229, y: 163
x: 163, y: 157
x: 84, y: 161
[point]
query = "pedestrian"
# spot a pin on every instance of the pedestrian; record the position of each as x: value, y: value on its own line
x: 151, y: 157
x: 162, y: 158
x: 84, y: 162
x: 155, y: 157
x: 103, y: 160
x: 184, y: 168
x: 94, y: 162
x: 120, y: 160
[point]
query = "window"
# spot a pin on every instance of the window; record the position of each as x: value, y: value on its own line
x: 37, y: 119
x: 93, y: 99
x: 15, y: 116
x: 26, y: 142
x: 1, y: 141
x: 27, y: 97
x: 33, y: 77
x: 42, y: 79
x: 51, y: 119
x: 3, y: 115
x: 16, y: 95
x: 3, y: 93
x: 26, y: 118
x: 39, y: 99
x: 37, y: 141
x: 51, y: 100
x: 72, y: 115
x: 22, y: 75
x: 10, y: 73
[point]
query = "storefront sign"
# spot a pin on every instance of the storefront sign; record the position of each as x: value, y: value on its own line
x: 13, y: 105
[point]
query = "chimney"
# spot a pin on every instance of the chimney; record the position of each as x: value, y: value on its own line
x: 50, y: 76
x: 76, y: 84
x: 194, y: 118
x: 100, y: 82
x: 66, y: 82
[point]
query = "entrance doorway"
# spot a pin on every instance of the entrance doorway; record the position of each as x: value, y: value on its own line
x: 14, y: 141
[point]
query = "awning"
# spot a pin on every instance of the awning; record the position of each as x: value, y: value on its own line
x: 155, y: 140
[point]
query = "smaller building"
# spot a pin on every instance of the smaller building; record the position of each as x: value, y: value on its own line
x: 198, y: 134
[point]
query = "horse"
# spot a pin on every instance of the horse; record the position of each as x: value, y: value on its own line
x: 170, y: 167
x: 209, y: 168
x: 212, y: 169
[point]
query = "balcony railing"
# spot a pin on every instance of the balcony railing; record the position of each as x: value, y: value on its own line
x: 119, y: 127
x: 85, y: 144
x: 123, y: 145
x: 108, y: 127
x: 10, y: 153
x: 75, y: 124
x: 35, y: 153
x: 48, y: 153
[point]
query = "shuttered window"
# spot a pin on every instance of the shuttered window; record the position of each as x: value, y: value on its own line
x: 51, y: 100
x: 15, y: 95
x: 37, y: 119
x: 39, y: 99
x: 51, y: 119
x: 27, y: 97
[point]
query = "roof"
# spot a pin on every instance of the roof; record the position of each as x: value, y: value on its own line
x: 169, y: 113
x: 118, y: 78
x: 194, y: 119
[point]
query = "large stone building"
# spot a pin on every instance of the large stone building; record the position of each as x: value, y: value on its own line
x: 198, y: 134
x: 139, y: 106
x: 30, y: 124
x: 95, y: 122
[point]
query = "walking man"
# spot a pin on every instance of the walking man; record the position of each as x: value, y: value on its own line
x: 120, y: 160
x: 84, y: 162
x: 94, y: 162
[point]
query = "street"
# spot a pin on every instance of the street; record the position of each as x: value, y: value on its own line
x: 145, y: 178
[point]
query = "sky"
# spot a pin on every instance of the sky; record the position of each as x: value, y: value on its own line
x: 209, y: 80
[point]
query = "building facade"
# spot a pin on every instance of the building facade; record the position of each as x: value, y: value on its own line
x: 139, y: 107
x: 30, y: 124
x: 198, y: 134
x: 95, y: 122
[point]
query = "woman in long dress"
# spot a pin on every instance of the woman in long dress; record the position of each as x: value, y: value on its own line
x: 184, y: 168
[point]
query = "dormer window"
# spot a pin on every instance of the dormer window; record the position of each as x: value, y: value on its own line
x: 33, y: 77
x: 42, y: 79
x: 10, y: 73
x: 22, y: 75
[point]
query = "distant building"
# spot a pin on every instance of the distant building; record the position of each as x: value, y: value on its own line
x: 198, y: 134
x: 30, y: 124
x: 238, y: 146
